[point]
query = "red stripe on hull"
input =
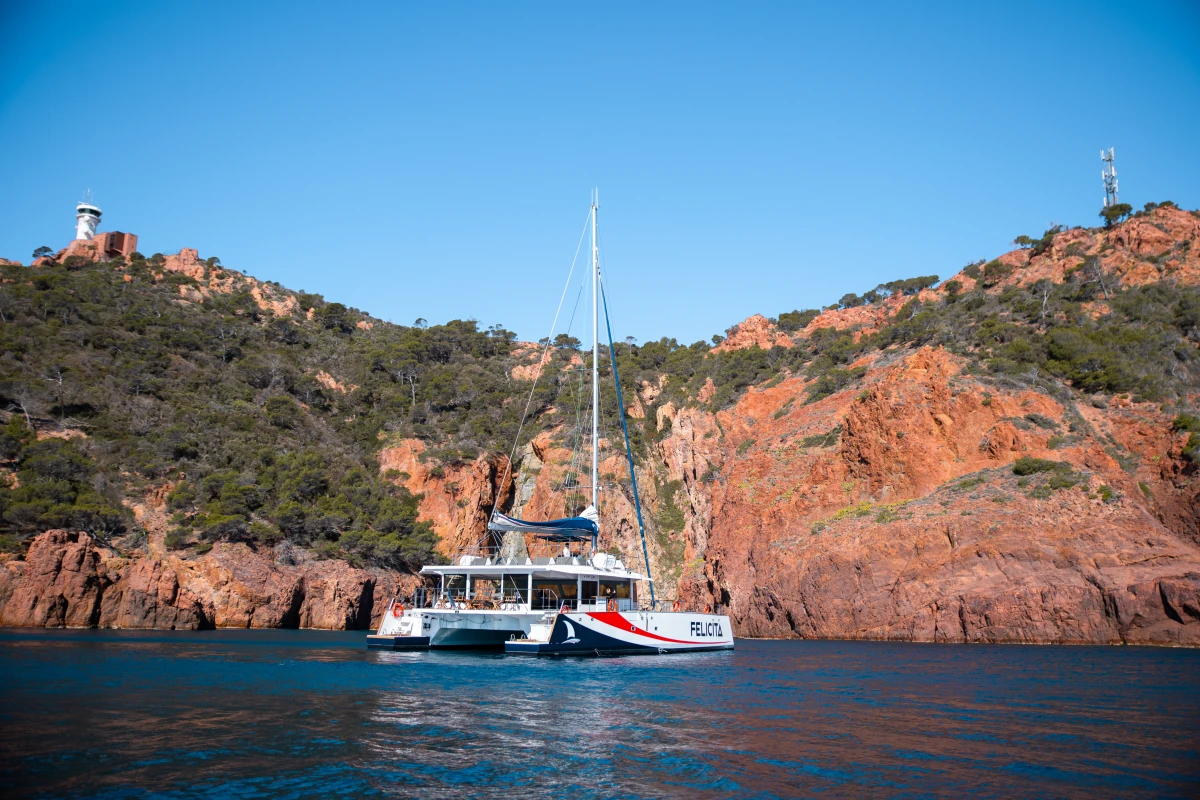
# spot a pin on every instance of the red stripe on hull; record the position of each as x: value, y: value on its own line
x: 615, y: 619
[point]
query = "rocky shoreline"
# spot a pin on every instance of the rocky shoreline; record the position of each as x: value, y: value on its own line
x: 68, y: 579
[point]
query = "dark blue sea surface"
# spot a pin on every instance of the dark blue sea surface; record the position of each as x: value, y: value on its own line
x: 309, y: 714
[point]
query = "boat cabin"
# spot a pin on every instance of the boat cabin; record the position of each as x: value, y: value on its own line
x: 551, y: 574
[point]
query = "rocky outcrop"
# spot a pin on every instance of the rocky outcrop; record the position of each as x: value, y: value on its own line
x: 145, y: 595
x: 851, y: 518
x: 60, y: 585
x: 213, y: 279
x: 67, y: 580
x: 755, y: 331
x: 1162, y: 244
x: 891, y: 511
x: 456, y: 498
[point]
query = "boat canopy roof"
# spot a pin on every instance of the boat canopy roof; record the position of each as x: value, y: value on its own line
x: 555, y: 530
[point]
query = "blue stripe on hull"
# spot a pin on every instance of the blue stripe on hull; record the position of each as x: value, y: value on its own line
x: 586, y: 642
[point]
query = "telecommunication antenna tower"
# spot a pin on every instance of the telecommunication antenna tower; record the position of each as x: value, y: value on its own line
x: 1109, y: 174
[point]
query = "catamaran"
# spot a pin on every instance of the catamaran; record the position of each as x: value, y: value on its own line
x: 544, y: 587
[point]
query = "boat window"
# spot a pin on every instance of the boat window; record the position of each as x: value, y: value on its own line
x: 553, y: 593
x: 456, y: 582
x: 515, y: 588
x: 484, y: 588
x: 561, y: 588
x: 590, y: 591
x: 619, y: 589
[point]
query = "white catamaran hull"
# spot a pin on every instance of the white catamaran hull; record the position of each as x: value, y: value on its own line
x: 629, y: 632
x: 448, y: 628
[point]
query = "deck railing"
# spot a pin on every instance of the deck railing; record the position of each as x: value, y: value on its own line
x: 510, y: 600
x: 538, y: 549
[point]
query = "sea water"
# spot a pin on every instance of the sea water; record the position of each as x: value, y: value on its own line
x: 313, y: 714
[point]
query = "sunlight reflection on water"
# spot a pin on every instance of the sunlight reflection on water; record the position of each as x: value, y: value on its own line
x: 312, y: 714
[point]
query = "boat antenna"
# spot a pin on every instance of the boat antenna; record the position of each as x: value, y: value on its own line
x: 637, y: 504
x: 595, y: 373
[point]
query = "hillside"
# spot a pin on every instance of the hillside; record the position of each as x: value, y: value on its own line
x: 1008, y: 455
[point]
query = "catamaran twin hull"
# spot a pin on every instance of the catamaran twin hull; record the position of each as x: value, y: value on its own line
x: 419, y: 628
x: 576, y: 633
x: 628, y: 632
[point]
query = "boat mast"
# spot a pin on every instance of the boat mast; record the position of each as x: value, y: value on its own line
x: 595, y: 368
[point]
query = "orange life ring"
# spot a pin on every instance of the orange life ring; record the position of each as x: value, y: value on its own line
x: 612, y: 604
x: 675, y: 606
x: 397, y: 610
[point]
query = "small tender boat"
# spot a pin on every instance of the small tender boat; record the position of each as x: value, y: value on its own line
x: 543, y: 587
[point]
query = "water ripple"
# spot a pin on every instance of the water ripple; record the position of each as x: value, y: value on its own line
x: 258, y: 714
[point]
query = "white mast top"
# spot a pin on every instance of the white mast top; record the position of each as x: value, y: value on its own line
x: 595, y: 362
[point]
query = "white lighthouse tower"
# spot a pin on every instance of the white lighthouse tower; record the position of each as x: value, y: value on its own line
x: 87, y: 217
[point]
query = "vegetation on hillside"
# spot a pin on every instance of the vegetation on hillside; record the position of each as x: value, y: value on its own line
x: 268, y: 427
x: 228, y: 403
x: 1088, y: 332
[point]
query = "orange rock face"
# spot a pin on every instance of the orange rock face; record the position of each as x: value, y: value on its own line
x: 1168, y: 235
x: 869, y: 532
x: 458, y: 500
x: 891, y: 511
x: 756, y: 331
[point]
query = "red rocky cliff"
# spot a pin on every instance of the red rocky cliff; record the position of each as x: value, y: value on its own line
x: 890, y: 510
x: 68, y: 580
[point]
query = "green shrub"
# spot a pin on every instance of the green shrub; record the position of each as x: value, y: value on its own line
x: 670, y: 517
x: 1186, y: 422
x: 1041, y: 421
x: 832, y: 382
x: 1063, y: 480
x: 827, y: 439
x: 182, y: 496
x: 176, y: 538
x: 217, y: 527
x: 14, y: 436
x: 282, y: 411
x: 796, y: 320
x: 1027, y: 465
x: 995, y: 271
x: 1115, y: 213
x: 1191, y: 449
x: 394, y: 550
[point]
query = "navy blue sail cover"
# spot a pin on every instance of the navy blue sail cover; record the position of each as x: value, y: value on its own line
x: 555, y: 530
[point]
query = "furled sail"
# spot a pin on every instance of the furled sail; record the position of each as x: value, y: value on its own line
x: 558, y: 530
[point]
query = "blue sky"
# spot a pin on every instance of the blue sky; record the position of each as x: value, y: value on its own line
x: 435, y: 160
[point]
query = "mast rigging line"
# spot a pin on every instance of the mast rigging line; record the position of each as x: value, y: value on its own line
x: 637, y: 503
x: 538, y: 373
